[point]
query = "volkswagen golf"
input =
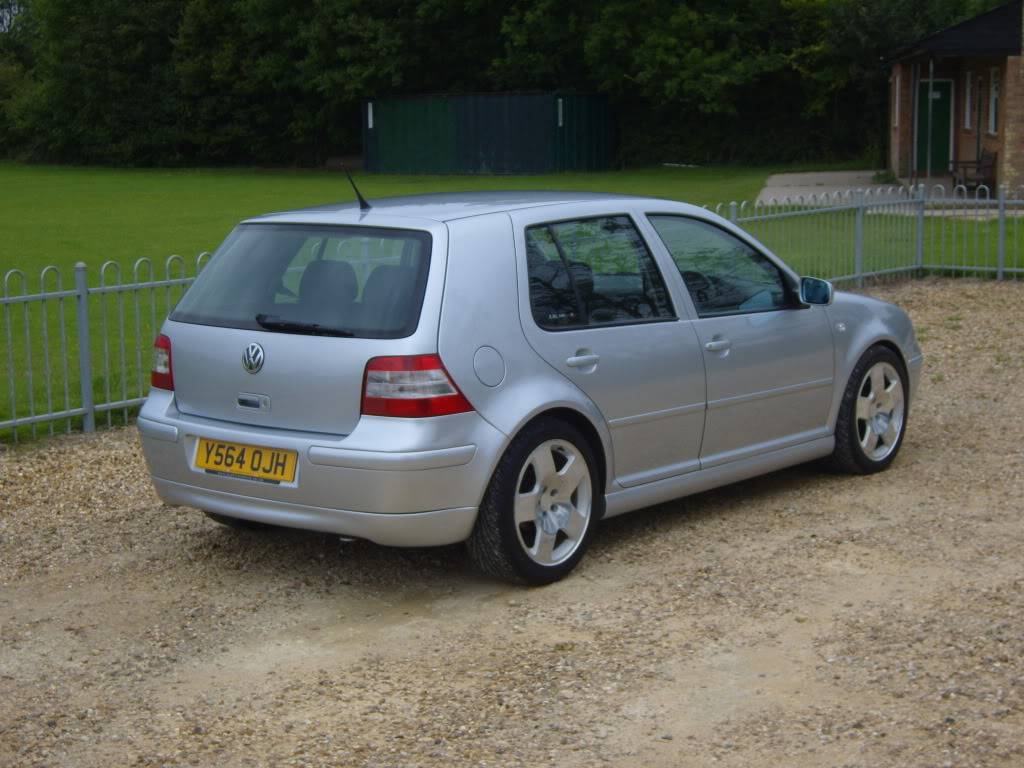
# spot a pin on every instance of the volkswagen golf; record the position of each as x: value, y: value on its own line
x: 507, y: 369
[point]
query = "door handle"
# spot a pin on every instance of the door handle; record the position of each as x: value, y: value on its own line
x: 718, y: 345
x: 582, y: 361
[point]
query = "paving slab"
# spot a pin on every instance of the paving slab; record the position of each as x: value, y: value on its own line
x: 780, y: 185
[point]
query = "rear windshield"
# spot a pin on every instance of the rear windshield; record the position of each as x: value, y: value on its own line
x: 366, y: 282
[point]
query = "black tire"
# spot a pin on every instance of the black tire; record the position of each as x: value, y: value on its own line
x: 848, y: 456
x: 236, y: 522
x: 494, y: 544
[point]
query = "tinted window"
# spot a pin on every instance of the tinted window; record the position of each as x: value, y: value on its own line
x: 723, y: 274
x: 593, y: 272
x: 363, y: 281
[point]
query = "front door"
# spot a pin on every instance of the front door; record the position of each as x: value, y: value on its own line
x: 600, y: 313
x: 769, y: 360
x: 941, y: 115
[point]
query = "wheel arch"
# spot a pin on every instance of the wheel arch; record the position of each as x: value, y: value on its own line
x: 496, y: 543
x: 584, y: 425
x: 850, y: 353
x: 889, y: 343
x: 895, y: 348
x: 860, y: 323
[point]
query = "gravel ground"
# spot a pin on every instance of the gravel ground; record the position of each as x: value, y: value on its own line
x: 801, y: 619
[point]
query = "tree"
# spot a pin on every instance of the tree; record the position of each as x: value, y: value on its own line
x: 283, y: 81
x: 16, y: 31
x: 239, y: 79
x: 103, y: 89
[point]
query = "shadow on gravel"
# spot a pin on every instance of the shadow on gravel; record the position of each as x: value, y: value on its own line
x: 736, y: 499
x: 324, y: 561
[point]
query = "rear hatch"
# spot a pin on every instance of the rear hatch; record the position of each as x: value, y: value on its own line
x: 279, y: 326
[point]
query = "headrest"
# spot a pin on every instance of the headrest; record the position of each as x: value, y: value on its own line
x: 386, y: 279
x: 330, y: 282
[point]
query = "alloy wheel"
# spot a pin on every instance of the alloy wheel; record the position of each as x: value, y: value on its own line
x: 553, y: 502
x: 880, y: 411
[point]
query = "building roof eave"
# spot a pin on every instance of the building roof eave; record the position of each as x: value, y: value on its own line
x: 994, y: 33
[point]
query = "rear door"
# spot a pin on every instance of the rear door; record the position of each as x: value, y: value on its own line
x: 279, y: 326
x: 596, y: 308
x: 769, y: 359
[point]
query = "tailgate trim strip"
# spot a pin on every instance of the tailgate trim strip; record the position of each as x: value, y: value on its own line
x: 391, y: 460
x: 157, y: 430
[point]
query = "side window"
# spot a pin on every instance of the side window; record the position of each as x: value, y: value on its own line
x: 593, y: 272
x: 724, y: 275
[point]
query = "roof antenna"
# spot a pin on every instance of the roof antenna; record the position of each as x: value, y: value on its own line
x: 363, y: 205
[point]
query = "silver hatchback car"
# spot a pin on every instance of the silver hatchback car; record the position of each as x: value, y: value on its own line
x: 506, y: 369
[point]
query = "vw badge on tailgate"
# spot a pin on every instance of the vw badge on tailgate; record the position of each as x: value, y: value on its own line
x: 252, y: 358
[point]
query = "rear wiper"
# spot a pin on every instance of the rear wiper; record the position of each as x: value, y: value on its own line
x: 275, y: 323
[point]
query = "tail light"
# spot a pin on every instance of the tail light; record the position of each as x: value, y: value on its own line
x: 162, y: 376
x: 413, y: 386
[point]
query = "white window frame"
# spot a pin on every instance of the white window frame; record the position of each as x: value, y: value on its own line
x: 994, y: 88
x: 969, y: 100
x: 896, y: 106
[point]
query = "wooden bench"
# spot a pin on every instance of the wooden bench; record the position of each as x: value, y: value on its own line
x: 974, y: 173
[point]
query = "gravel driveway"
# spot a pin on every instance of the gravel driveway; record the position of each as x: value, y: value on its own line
x: 801, y: 619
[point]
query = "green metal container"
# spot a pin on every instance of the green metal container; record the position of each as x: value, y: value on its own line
x: 487, y: 133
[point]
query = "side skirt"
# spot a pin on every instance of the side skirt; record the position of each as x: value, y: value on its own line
x: 649, y: 494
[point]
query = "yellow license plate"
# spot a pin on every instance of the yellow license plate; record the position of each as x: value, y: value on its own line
x: 270, y: 465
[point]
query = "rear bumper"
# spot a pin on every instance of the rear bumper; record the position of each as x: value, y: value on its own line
x: 401, y: 482
x: 415, y: 529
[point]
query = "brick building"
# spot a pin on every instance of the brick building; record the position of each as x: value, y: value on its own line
x: 974, y: 75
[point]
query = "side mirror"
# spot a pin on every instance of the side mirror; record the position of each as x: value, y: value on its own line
x: 815, y: 291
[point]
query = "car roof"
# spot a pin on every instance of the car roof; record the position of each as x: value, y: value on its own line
x: 442, y: 206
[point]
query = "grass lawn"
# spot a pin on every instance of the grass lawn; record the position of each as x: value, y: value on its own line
x: 61, y: 215
x: 824, y: 244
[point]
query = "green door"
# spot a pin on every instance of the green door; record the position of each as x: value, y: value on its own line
x: 942, y: 113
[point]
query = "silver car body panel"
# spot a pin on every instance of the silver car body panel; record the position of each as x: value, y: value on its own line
x: 670, y: 417
x: 631, y: 499
x: 481, y: 311
x: 385, y: 466
x: 648, y: 381
x: 309, y: 383
x: 772, y: 385
x: 415, y: 529
x: 859, y: 322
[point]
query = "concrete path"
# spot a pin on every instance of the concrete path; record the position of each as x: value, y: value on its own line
x: 791, y: 185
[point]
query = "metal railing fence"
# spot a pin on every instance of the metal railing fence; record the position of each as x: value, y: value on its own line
x: 74, y: 354
x: 855, y: 235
